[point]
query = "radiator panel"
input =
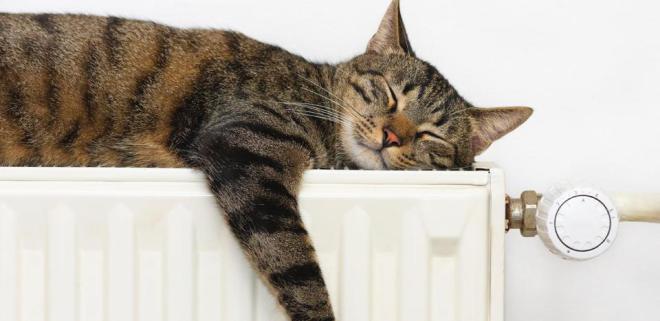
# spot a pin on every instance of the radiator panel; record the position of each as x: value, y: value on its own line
x: 153, y: 246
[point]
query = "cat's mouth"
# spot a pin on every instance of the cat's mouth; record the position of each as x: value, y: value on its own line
x: 366, y: 156
x: 376, y: 152
x: 364, y: 152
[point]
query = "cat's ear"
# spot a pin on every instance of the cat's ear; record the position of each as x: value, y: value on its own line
x: 391, y: 36
x: 490, y: 124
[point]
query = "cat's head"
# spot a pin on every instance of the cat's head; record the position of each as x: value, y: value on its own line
x: 399, y: 112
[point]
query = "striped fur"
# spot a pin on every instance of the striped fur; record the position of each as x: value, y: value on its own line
x: 80, y: 90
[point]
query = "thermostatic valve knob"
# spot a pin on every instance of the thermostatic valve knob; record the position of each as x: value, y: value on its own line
x: 577, y: 223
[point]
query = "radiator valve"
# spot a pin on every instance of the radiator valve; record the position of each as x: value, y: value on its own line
x: 576, y: 223
x: 521, y: 213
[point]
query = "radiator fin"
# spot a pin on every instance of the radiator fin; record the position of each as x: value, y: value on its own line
x: 355, y: 268
x: 145, y: 251
x: 8, y: 263
x: 121, y: 268
x: 180, y: 264
x: 62, y: 264
x: 414, y: 263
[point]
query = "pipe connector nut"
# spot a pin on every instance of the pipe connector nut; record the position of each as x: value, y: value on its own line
x: 521, y: 212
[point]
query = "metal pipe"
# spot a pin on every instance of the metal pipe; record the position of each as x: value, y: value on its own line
x: 635, y: 207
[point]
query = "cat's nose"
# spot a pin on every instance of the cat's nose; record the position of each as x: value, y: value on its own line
x: 390, y: 138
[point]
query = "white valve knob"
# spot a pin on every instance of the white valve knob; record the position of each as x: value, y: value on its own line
x: 577, y: 223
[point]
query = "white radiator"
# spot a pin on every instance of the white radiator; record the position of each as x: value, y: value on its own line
x: 150, y: 244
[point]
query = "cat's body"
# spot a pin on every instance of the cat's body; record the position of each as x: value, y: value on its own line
x: 92, y: 91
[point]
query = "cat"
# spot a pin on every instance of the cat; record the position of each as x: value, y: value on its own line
x: 78, y: 90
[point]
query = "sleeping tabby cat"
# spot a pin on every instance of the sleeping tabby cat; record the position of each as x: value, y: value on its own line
x: 81, y: 90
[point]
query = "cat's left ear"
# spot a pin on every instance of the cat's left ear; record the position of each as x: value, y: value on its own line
x: 391, y: 36
x: 490, y: 124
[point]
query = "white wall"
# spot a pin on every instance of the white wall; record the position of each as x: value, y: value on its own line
x: 590, y: 68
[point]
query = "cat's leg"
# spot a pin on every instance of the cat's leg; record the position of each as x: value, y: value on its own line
x: 256, y: 179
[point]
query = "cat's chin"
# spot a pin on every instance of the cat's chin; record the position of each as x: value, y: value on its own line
x: 366, y: 157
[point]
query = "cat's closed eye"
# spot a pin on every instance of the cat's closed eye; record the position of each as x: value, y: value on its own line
x: 442, y: 121
x: 426, y: 133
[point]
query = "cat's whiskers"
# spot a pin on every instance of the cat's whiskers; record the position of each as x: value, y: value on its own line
x: 319, y: 115
x: 313, y: 106
x: 316, y: 110
x: 351, y: 110
x: 330, y: 99
x: 336, y: 98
